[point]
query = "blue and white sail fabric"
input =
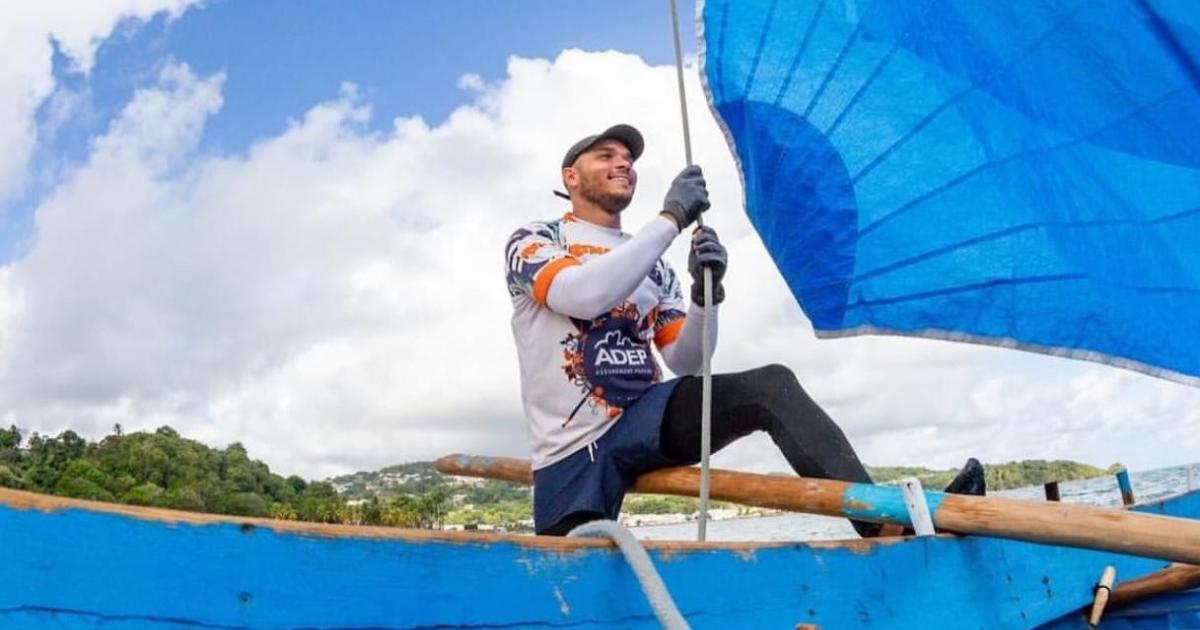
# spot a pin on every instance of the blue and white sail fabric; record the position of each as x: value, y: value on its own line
x: 1018, y: 173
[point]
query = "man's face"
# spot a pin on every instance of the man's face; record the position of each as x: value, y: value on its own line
x: 603, y: 175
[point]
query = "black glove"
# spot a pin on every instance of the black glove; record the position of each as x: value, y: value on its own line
x: 687, y: 197
x: 707, y: 251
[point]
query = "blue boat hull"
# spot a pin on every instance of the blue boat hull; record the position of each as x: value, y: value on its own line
x: 1173, y: 611
x: 76, y: 564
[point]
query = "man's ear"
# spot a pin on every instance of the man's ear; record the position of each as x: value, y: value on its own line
x: 570, y: 177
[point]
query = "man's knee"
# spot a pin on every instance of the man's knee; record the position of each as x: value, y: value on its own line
x: 776, y: 377
x: 776, y: 372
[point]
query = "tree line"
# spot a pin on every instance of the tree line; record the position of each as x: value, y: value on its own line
x: 163, y: 469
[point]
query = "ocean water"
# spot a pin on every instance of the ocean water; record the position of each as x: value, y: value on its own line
x: 1148, y: 485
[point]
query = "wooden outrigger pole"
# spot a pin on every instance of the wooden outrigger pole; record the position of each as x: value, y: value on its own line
x: 1067, y: 524
x: 1177, y: 577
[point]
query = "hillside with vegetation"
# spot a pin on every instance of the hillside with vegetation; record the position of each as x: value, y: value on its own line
x: 482, y: 501
x: 1029, y: 472
x: 164, y: 469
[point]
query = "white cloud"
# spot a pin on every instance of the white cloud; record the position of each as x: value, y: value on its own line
x: 29, y: 29
x: 471, y: 82
x: 335, y: 300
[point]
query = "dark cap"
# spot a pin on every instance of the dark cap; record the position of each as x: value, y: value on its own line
x: 625, y: 134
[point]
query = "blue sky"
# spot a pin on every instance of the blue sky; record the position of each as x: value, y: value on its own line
x: 280, y: 57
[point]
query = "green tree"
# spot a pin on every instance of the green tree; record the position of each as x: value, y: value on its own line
x: 10, y: 449
x: 189, y: 497
x: 147, y: 494
x: 283, y: 512
x: 47, y: 459
x: 297, y: 484
x: 9, y: 479
x: 244, y: 504
x: 83, y: 480
x: 10, y: 438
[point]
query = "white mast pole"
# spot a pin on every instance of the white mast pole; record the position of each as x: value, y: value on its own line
x: 706, y: 345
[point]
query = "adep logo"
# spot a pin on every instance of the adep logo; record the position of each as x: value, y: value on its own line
x: 615, y: 348
x: 616, y: 364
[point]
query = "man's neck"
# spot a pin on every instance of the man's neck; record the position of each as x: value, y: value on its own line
x: 593, y: 213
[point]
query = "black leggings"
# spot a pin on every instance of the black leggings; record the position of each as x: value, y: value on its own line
x: 765, y: 399
x: 569, y: 522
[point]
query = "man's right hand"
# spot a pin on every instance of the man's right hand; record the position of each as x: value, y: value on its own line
x: 707, y: 251
x: 687, y: 197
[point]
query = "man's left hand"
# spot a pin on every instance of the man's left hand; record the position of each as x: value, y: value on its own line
x: 707, y: 251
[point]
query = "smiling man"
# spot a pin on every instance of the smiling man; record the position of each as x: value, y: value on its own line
x: 589, y: 300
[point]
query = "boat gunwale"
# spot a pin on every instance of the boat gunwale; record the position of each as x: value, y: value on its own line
x: 25, y: 500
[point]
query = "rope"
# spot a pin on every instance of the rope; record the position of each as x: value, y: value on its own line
x: 643, y: 568
x: 706, y: 330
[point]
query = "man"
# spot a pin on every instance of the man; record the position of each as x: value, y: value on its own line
x: 588, y: 301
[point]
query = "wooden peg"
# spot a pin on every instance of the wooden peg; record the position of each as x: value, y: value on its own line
x: 1126, y: 487
x: 1103, y: 589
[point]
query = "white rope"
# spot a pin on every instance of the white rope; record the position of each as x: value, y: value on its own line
x: 706, y: 343
x: 643, y: 568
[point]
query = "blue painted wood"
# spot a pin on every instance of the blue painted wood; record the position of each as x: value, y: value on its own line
x: 1172, y: 611
x: 80, y: 567
x: 1126, y: 486
x: 884, y: 503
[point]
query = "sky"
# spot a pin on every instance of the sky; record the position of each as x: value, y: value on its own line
x: 282, y: 224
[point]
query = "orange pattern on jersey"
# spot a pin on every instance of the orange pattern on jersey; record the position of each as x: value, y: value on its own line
x: 573, y: 366
x: 531, y: 249
x: 541, y: 282
x: 625, y: 309
x: 580, y: 250
x: 669, y: 333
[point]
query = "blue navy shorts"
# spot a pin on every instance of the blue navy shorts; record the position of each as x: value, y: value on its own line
x: 595, y: 478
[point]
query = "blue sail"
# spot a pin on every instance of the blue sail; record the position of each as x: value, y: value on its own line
x: 1024, y: 174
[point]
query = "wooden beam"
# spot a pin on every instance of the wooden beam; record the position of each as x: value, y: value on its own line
x: 1067, y: 524
x: 1177, y: 577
